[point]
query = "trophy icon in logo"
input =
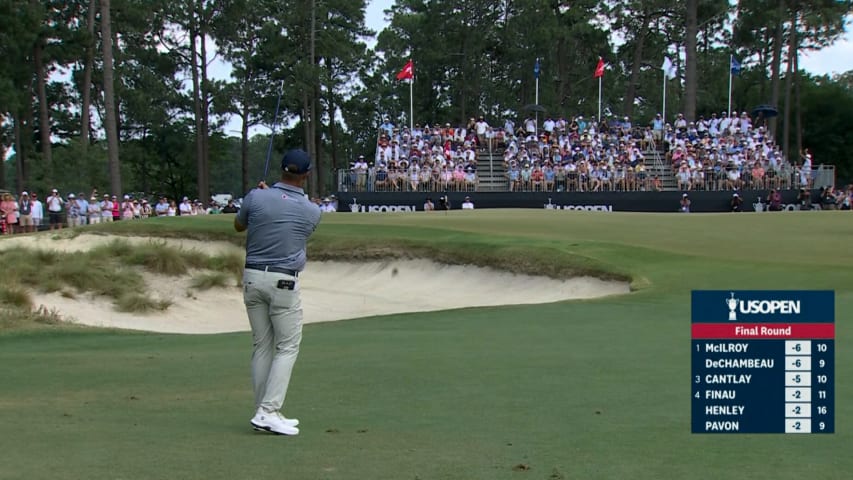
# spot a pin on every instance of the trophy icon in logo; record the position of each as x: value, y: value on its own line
x: 732, y: 304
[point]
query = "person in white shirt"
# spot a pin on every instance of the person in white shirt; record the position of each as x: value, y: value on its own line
x: 94, y: 211
x: 467, y: 204
x: 38, y: 211
x: 106, y: 209
x: 186, y: 207
x: 54, y: 210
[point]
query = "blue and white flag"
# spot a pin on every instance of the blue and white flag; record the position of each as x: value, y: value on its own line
x: 735, y: 67
x: 536, y: 68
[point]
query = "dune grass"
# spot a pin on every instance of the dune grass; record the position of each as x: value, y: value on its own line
x: 206, y: 281
x: 588, y: 389
x: 113, y: 270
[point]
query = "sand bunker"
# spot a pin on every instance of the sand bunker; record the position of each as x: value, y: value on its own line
x: 330, y: 291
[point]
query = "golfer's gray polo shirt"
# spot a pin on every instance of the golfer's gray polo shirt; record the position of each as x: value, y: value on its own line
x: 279, y: 221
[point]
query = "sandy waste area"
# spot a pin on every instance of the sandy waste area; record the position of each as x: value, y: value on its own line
x: 330, y: 290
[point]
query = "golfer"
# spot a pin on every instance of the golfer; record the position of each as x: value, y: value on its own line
x: 279, y: 220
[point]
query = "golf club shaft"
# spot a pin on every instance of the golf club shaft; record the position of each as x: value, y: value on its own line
x: 272, y: 134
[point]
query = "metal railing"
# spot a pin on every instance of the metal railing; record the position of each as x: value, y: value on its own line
x: 618, y: 180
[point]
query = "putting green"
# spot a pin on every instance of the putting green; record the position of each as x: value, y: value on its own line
x: 588, y: 389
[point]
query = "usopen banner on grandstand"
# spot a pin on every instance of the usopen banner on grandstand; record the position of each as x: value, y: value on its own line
x: 717, y: 201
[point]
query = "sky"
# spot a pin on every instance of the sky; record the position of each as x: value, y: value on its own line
x: 835, y: 59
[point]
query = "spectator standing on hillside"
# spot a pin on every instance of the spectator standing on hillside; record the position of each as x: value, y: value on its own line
x: 9, y: 213
x: 115, y: 208
x: 106, y: 209
x: 279, y: 220
x: 25, y: 213
x: 162, y: 207
x: 74, y: 212
x: 185, y: 207
x: 54, y: 210
x: 230, y: 207
x: 38, y: 211
x: 94, y: 211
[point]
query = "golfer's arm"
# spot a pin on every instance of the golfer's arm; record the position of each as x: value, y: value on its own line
x: 238, y: 226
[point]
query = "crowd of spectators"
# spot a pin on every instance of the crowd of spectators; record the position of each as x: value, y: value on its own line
x: 27, y: 213
x: 717, y: 153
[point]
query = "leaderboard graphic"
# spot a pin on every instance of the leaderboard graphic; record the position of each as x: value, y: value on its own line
x: 763, y: 361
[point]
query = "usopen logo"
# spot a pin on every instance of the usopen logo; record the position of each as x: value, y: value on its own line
x: 771, y: 307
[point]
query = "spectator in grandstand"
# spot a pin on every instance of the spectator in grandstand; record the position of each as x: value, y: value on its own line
x: 513, y: 175
x: 736, y: 202
x: 386, y: 127
x: 481, y: 127
x: 683, y: 176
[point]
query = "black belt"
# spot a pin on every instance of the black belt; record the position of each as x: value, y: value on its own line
x: 265, y: 268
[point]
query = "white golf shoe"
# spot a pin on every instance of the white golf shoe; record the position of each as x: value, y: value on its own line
x: 274, y: 423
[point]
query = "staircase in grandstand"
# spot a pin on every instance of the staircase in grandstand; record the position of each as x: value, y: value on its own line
x: 655, y: 164
x: 491, y: 172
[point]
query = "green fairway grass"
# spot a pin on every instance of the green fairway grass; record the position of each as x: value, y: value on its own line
x: 571, y: 390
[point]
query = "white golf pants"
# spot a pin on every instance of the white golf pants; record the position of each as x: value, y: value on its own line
x: 275, y: 315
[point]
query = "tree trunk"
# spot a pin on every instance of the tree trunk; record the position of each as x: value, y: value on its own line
x: 789, y: 75
x: 244, y: 144
x: 691, y: 81
x: 775, y: 79
x: 111, y: 120
x: 44, y: 116
x: 333, y: 131
x: 314, y: 153
x: 27, y: 146
x: 86, y: 87
x: 204, y: 180
x: 20, y: 154
x: 639, y: 43
x: 797, y: 105
x: 3, y: 165
x: 197, y: 106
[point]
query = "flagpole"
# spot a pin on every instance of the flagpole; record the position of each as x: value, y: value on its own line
x: 537, y: 100
x: 599, y: 99
x: 411, y: 106
x: 730, y: 85
x: 663, y: 110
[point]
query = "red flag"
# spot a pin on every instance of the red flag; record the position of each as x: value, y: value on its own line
x: 599, y: 69
x: 407, y: 72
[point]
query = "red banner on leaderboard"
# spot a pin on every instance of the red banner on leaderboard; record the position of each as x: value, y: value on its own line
x: 758, y: 331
